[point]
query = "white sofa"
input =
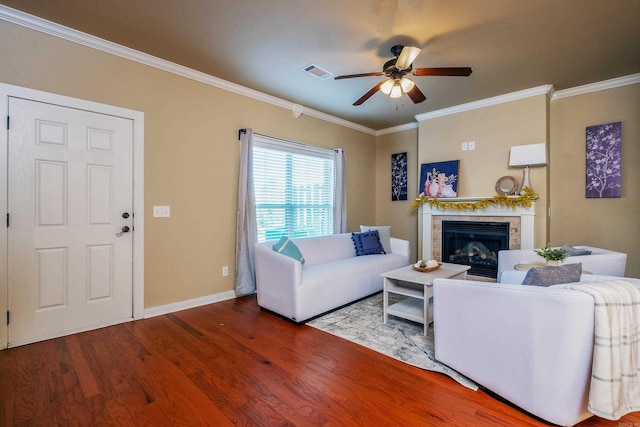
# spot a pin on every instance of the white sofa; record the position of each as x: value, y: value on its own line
x: 331, y: 276
x: 601, y: 261
x: 531, y: 345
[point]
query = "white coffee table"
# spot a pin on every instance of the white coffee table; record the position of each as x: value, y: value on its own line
x: 418, y: 288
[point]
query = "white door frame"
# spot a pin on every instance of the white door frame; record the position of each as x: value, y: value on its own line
x: 7, y: 91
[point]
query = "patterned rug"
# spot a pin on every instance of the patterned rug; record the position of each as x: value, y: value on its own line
x: 401, y: 339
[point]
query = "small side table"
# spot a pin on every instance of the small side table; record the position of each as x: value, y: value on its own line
x: 418, y: 288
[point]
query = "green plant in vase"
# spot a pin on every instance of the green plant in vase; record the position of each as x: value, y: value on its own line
x: 553, y: 256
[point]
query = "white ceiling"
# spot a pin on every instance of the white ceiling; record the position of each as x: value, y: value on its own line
x: 511, y: 45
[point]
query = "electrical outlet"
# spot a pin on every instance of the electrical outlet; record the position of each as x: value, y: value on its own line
x: 161, y: 211
x: 472, y: 145
x: 465, y: 146
x: 225, y: 271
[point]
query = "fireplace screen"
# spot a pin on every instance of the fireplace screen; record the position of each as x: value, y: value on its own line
x: 475, y: 244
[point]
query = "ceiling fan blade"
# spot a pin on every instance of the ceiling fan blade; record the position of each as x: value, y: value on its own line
x: 350, y: 76
x: 443, y: 71
x: 407, y: 56
x: 368, y: 94
x: 416, y: 95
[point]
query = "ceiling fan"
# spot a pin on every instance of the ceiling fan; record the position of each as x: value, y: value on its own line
x: 395, y: 69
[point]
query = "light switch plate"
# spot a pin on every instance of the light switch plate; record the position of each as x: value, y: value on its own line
x: 161, y: 211
x: 472, y: 145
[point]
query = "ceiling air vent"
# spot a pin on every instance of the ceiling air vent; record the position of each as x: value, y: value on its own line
x: 318, y: 72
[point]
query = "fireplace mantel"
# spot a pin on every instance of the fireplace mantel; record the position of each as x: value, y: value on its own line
x: 526, y: 216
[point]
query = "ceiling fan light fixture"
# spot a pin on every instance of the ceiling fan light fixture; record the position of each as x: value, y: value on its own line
x: 407, y: 84
x: 386, y: 86
x: 396, y: 91
x: 394, y: 71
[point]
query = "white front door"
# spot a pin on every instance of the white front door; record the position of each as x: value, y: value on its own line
x: 70, y: 193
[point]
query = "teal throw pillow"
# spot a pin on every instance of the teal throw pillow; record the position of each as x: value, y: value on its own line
x: 285, y: 246
x: 367, y: 243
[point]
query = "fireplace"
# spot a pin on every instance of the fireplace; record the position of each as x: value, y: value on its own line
x: 521, y: 221
x: 475, y: 243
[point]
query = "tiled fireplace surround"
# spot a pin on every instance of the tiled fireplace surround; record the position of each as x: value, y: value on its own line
x: 521, y: 225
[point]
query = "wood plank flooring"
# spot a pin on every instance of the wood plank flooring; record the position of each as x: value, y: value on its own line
x: 232, y: 364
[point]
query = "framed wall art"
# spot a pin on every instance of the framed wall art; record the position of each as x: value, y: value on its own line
x: 604, y: 161
x: 399, y: 176
x: 439, y: 179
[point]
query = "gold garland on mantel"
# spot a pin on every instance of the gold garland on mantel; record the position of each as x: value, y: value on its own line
x: 524, y: 200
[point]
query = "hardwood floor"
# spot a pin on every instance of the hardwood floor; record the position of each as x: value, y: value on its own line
x: 232, y: 364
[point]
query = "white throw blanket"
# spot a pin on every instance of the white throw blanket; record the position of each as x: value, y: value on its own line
x: 615, y: 377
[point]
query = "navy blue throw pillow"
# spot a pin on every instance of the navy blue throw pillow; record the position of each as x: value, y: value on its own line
x: 367, y: 243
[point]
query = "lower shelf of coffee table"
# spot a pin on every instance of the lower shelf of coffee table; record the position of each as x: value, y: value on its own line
x: 408, y: 308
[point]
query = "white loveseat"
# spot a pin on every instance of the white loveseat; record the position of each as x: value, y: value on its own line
x: 600, y: 261
x: 531, y: 345
x: 331, y: 276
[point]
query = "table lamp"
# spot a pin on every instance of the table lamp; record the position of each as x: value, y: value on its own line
x: 524, y: 156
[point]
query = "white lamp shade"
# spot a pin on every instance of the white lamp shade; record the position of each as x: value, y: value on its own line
x: 406, y: 84
x: 396, y: 91
x: 386, y: 86
x: 528, y: 155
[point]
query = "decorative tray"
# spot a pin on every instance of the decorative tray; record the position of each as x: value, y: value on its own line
x: 427, y: 270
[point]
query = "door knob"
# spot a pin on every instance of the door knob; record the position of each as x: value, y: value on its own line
x: 125, y: 229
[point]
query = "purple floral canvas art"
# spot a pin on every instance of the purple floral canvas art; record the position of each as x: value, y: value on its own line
x: 399, y: 176
x: 604, y: 158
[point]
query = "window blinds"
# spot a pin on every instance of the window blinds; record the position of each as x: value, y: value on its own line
x: 294, y: 189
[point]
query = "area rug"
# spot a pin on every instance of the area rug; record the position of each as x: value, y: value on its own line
x: 362, y: 323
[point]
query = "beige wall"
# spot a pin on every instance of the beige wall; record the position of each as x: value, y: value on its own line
x: 494, y: 129
x: 191, y: 153
x: 398, y: 214
x: 191, y: 158
x: 608, y: 223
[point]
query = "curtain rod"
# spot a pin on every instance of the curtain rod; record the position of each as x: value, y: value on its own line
x: 244, y: 130
x: 241, y: 131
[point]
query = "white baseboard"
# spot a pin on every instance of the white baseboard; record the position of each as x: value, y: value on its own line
x: 191, y: 303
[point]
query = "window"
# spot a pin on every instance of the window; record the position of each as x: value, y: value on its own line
x: 294, y: 189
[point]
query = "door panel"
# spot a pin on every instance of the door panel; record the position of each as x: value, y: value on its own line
x: 99, y: 194
x: 51, y: 195
x: 51, y: 278
x: 99, y: 269
x: 70, y: 181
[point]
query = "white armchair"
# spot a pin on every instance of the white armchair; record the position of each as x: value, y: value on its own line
x: 532, y: 345
x: 601, y: 261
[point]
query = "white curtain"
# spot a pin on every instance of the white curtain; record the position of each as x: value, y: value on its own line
x: 246, y: 229
x: 340, y: 193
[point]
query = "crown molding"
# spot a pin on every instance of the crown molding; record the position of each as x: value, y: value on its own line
x: 398, y: 128
x: 51, y: 28
x: 595, y: 87
x: 42, y: 25
x: 513, y: 96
